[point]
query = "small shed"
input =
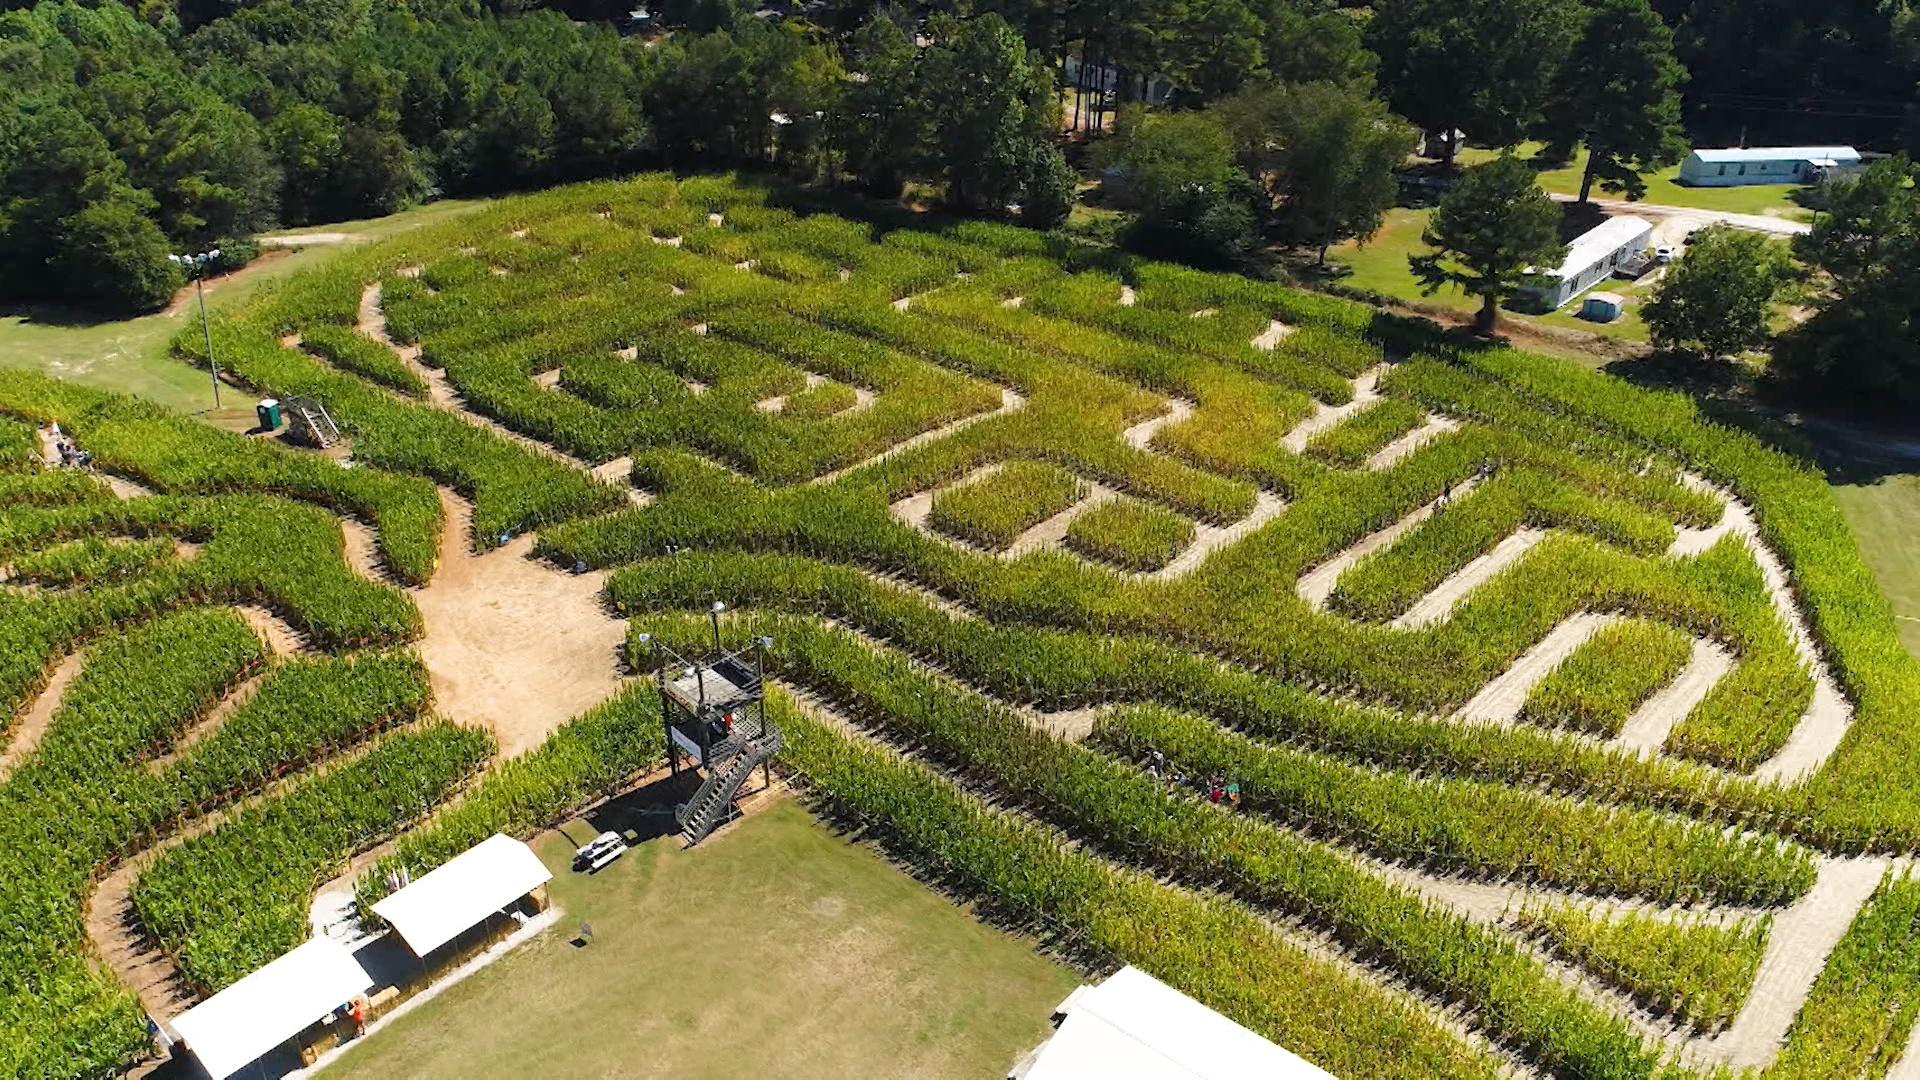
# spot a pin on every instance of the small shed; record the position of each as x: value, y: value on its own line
x: 1603, y: 306
x: 463, y: 892
x: 1135, y: 1027
x: 1744, y: 165
x: 239, y: 1025
x: 1591, y: 259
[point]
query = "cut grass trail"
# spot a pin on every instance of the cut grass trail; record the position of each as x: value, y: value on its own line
x: 130, y: 355
x: 806, y: 955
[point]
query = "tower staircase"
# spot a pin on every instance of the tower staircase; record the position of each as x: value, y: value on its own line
x: 312, y: 423
x: 729, y: 765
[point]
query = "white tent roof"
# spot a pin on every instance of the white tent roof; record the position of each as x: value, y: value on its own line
x: 1741, y: 154
x: 1135, y: 1027
x: 465, y: 890
x: 231, y: 1029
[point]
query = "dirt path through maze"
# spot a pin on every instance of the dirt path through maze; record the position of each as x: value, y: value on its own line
x: 514, y: 644
x: 442, y: 393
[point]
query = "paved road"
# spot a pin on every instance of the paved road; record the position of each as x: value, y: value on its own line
x: 1671, y: 224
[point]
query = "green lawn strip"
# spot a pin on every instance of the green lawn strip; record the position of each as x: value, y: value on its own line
x: 1130, y: 534
x: 1349, y: 444
x: 178, y: 455
x: 588, y: 756
x: 226, y: 902
x: 846, y: 963
x: 1863, y: 1005
x: 1610, y: 675
x: 1491, y: 831
x: 1698, y: 970
x: 1884, y: 515
x: 1663, y: 186
x: 993, y: 511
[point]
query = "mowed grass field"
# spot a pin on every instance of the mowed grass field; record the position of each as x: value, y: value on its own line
x: 1663, y: 188
x: 775, y: 949
x: 1885, y: 516
x: 130, y: 355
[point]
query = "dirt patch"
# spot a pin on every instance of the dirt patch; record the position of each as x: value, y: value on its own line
x: 512, y: 644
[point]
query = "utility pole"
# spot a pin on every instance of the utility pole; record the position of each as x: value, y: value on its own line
x: 196, y: 266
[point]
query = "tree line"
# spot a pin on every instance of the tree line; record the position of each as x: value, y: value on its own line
x: 129, y: 134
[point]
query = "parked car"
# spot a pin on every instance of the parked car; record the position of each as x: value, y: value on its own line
x: 598, y: 852
x: 1665, y: 254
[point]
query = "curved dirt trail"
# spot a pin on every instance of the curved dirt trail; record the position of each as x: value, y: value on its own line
x: 1499, y: 702
x: 442, y: 393
x: 1797, y: 948
x: 23, y: 737
x: 1010, y: 401
x: 1316, y: 585
x: 1647, y: 729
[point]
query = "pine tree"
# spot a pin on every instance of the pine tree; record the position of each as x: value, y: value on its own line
x: 1487, y: 232
x: 1619, y: 93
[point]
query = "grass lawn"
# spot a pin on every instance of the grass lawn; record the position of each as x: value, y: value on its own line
x: 774, y: 949
x: 1381, y: 266
x: 1664, y: 188
x: 1885, y: 518
x: 130, y: 355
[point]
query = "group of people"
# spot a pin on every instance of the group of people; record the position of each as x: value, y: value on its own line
x: 71, y: 456
x: 1221, y: 790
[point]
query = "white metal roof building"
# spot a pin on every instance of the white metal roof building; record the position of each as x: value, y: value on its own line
x: 235, y: 1027
x: 1738, y: 166
x: 463, y: 892
x: 1591, y: 259
x: 1135, y: 1027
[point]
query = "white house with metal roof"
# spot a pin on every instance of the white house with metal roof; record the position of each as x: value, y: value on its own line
x: 1738, y: 166
x: 1591, y: 259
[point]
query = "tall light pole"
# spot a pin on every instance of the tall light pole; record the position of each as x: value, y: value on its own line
x: 196, y: 268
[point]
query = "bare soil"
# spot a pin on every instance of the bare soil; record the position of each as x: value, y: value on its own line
x: 513, y: 644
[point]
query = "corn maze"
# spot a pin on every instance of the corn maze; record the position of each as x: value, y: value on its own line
x: 1570, y: 733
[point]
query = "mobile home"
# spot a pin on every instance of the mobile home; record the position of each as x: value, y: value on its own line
x: 1591, y: 258
x: 1767, y: 165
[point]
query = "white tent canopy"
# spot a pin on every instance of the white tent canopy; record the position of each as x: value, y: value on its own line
x: 463, y: 892
x: 230, y: 1030
x: 1135, y: 1027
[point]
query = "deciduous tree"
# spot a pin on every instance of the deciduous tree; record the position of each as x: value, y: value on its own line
x: 1718, y: 299
x: 1325, y: 153
x: 1481, y: 66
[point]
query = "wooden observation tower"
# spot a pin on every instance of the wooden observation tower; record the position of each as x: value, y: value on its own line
x: 715, y: 716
